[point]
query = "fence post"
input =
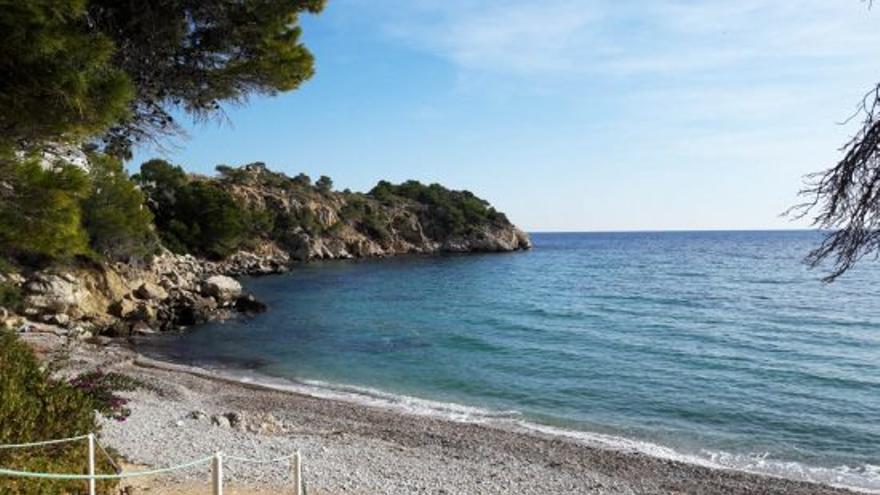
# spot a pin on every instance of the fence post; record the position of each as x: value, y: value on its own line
x: 297, y: 474
x: 91, y: 464
x: 218, y: 473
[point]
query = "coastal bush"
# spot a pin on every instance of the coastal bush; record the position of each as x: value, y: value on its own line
x: 365, y: 217
x: 34, y: 407
x: 10, y: 296
x: 54, y: 212
x: 40, y: 214
x: 324, y: 184
x: 115, y: 217
x: 215, y: 222
x: 193, y: 216
x: 447, y: 212
x: 302, y: 180
x: 7, y: 266
x: 259, y: 224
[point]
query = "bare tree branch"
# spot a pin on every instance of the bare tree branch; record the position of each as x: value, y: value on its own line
x: 845, y: 199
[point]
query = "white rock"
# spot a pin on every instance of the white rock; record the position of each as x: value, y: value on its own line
x: 221, y: 287
x: 52, y: 292
x: 221, y: 421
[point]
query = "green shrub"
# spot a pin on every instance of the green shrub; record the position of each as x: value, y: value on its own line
x: 40, y: 215
x: 365, y: 217
x: 7, y: 266
x: 446, y: 212
x: 259, y: 224
x: 119, y: 224
x: 10, y: 296
x: 324, y: 184
x: 34, y: 407
x: 193, y: 216
x: 302, y: 180
x: 215, y: 222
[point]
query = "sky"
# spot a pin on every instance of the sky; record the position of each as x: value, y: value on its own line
x: 568, y: 115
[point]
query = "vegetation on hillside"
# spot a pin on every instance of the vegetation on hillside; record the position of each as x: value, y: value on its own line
x: 198, y: 216
x: 447, y: 212
x: 55, y: 212
x: 202, y: 216
x: 119, y: 225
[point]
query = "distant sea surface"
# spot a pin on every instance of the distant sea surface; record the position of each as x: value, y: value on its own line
x: 715, y: 347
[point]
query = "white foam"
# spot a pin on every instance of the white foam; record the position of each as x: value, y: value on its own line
x: 862, y: 478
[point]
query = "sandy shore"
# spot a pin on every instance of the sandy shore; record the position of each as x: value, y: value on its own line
x: 353, y: 448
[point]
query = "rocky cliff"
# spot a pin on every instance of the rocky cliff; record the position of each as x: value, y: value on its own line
x: 312, y: 223
x: 303, y: 222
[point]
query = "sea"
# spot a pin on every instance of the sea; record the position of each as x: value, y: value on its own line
x: 719, y: 348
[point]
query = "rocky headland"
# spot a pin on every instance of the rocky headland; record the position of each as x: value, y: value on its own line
x: 91, y: 297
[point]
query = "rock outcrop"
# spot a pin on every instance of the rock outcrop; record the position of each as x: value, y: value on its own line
x: 322, y: 224
x: 121, y: 300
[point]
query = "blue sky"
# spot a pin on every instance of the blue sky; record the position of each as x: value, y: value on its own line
x: 569, y: 114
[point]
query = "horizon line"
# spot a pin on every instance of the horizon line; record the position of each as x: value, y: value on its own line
x: 660, y: 231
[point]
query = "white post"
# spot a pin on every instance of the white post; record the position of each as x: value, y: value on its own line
x: 297, y: 474
x: 218, y: 473
x: 91, y: 464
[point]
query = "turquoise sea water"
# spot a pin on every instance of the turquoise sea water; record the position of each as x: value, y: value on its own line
x: 720, y: 347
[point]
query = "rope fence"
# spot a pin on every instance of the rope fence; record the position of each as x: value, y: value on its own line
x: 40, y: 444
x: 216, y: 460
x: 258, y: 461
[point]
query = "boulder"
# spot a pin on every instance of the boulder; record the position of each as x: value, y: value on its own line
x: 150, y: 291
x: 194, y: 310
x: 144, y: 312
x: 123, y: 308
x: 221, y: 287
x: 249, y: 304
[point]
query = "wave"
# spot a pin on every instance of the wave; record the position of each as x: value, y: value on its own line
x: 865, y: 478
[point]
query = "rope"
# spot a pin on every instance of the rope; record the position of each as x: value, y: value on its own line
x: 109, y: 458
x: 258, y: 461
x: 53, y: 476
x: 47, y: 442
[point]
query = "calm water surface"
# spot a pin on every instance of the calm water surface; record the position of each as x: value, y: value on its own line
x: 720, y: 346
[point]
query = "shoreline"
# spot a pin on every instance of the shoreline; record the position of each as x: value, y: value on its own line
x: 511, y: 421
x: 350, y: 447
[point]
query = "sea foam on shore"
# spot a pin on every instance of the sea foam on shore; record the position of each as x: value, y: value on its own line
x: 865, y: 479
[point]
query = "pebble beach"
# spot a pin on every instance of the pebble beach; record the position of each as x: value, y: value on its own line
x: 186, y: 413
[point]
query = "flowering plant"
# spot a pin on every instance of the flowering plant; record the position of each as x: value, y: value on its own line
x: 101, y: 388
